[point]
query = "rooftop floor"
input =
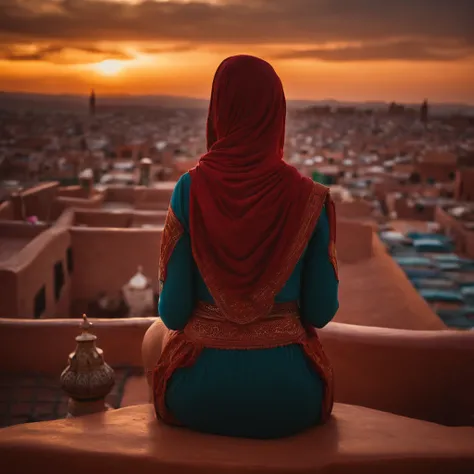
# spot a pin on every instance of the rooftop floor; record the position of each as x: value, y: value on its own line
x: 10, y: 246
x: 27, y: 398
x: 376, y: 292
x: 115, y: 205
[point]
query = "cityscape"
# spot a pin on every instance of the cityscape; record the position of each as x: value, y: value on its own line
x: 97, y: 128
x: 407, y: 172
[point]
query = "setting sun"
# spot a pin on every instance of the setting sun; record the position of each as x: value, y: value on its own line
x: 109, y: 67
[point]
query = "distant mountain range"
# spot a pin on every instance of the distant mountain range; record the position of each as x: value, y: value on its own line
x: 23, y: 100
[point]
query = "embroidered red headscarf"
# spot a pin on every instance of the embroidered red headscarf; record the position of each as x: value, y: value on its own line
x: 251, y: 214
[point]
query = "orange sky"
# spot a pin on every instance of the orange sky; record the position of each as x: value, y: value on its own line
x: 114, y: 56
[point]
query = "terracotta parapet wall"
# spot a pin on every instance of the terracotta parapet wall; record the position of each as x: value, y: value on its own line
x: 7, y: 211
x: 153, y: 198
x: 22, y: 340
x: 354, y: 241
x: 427, y: 375
x: 33, y: 269
x: 118, y: 219
x: 420, y: 374
x: 37, y: 201
x: 353, y: 210
x: 101, y: 218
x: 120, y: 194
x: 21, y: 229
x: 447, y: 221
x: 8, y: 294
x: 72, y: 191
x: 65, y: 220
x: 62, y: 203
x: 106, y: 259
x: 470, y: 243
x: 463, y: 238
x: 355, y: 440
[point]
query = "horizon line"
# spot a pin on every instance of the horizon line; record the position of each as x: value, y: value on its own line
x: 133, y: 95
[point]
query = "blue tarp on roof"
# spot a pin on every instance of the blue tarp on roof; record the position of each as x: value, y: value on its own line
x: 426, y: 235
x: 438, y: 274
x: 449, y: 266
x: 422, y: 273
x: 433, y: 295
x: 413, y: 261
x: 468, y: 294
x: 432, y: 246
x: 433, y: 283
x: 465, y: 263
x: 462, y: 318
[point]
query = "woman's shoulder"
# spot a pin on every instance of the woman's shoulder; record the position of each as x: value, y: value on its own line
x: 184, y: 181
x: 180, y: 198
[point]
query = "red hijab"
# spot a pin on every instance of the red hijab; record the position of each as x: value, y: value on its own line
x: 249, y: 223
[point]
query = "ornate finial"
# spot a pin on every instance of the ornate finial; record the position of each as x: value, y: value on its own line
x: 87, y: 379
x: 86, y: 324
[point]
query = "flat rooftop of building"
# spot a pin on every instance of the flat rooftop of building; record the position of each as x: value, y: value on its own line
x: 409, y: 226
x: 376, y: 292
x: 117, y: 206
x: 10, y: 246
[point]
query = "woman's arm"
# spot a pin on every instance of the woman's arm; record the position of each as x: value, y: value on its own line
x: 176, y: 262
x: 319, y: 286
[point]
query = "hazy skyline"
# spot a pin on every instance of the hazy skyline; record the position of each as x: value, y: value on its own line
x: 353, y: 50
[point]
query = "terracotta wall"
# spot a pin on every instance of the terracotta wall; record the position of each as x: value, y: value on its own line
x: 470, y: 243
x: 465, y: 184
x: 102, y: 218
x: 407, y: 212
x: 106, y: 259
x: 72, y: 191
x: 8, y: 294
x: 120, y: 194
x: 155, y: 218
x: 6, y: 211
x: 21, y: 229
x: 354, y: 241
x: 37, y: 201
x: 153, y: 198
x: 142, y: 197
x: 354, y: 209
x: 440, y: 172
x: 422, y: 374
x: 62, y: 203
x: 33, y: 271
x: 22, y: 341
x: 463, y: 238
x: 122, y: 219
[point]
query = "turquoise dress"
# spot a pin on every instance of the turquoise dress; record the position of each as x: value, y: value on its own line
x: 262, y: 393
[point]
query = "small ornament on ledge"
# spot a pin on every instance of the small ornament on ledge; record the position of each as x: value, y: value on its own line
x: 87, y: 379
x: 139, y: 295
x: 145, y: 169
x: 86, y: 180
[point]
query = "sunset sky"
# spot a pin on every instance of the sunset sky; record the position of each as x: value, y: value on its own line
x: 403, y: 50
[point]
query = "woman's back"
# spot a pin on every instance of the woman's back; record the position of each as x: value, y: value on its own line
x: 261, y: 393
x: 248, y: 269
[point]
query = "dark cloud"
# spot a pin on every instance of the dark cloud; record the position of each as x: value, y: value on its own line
x: 400, y: 50
x: 55, y: 54
x: 169, y: 49
x: 243, y: 22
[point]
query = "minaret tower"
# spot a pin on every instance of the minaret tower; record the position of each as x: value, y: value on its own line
x: 92, y: 103
x: 424, y: 111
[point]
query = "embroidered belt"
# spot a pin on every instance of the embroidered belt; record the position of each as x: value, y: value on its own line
x: 209, y: 328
